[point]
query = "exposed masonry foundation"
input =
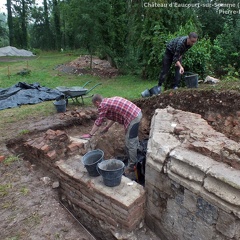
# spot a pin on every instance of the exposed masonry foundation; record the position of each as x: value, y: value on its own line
x: 192, y: 185
x: 192, y: 179
x: 107, y: 212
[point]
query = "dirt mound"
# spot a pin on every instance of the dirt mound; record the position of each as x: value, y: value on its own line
x: 82, y: 65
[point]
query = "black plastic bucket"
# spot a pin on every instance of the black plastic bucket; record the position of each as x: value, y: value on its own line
x: 60, y: 105
x: 154, y: 90
x: 90, y: 161
x: 146, y: 93
x: 111, y: 171
x: 191, y: 79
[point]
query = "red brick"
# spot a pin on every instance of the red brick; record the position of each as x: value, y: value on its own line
x: 82, y: 115
x: 2, y: 158
x: 75, y: 146
x: 45, y: 148
x: 59, y: 133
x: 50, y: 132
x: 52, y: 154
x: 40, y: 139
x: 30, y: 142
x: 40, y: 145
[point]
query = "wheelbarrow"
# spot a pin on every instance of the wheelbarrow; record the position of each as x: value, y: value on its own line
x: 75, y: 92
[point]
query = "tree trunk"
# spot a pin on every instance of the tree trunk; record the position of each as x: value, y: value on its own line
x: 10, y: 23
x: 56, y: 14
x: 47, y: 32
x: 24, y: 25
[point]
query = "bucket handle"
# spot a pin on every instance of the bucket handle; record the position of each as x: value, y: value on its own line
x: 93, y: 150
x: 100, y: 173
x: 189, y: 74
x: 98, y: 169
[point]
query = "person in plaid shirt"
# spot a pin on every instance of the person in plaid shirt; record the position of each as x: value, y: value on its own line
x: 174, y: 51
x: 121, y: 110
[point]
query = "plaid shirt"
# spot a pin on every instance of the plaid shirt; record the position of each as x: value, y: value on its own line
x: 118, y: 110
x: 178, y: 47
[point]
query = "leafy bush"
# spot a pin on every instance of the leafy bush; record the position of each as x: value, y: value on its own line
x: 225, y: 53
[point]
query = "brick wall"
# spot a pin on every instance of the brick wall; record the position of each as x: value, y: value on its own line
x: 107, y: 212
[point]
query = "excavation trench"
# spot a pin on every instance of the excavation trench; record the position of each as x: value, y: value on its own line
x: 184, y: 129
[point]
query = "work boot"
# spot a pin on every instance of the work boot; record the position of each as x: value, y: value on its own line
x: 130, y: 173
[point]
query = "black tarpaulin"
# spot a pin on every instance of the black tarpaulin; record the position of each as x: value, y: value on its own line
x: 23, y: 93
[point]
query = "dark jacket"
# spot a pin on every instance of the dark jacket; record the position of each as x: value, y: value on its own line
x: 178, y: 46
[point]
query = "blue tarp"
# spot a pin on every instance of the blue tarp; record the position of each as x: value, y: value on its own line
x: 23, y: 93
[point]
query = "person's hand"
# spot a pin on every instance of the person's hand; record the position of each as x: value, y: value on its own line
x: 181, y: 71
x: 86, y: 136
x: 104, y: 130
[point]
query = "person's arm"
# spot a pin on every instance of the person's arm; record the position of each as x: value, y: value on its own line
x: 91, y: 133
x: 94, y: 129
x: 178, y: 63
x: 97, y: 124
x: 177, y: 56
x: 109, y: 124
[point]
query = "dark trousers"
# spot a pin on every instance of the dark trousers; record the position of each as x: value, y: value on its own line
x: 166, y: 65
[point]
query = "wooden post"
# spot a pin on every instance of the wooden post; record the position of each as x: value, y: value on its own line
x: 8, y: 72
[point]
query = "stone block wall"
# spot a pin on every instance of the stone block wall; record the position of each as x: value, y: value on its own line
x: 192, y: 184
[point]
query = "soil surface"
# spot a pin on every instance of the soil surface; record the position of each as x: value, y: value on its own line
x: 82, y: 65
x: 29, y: 205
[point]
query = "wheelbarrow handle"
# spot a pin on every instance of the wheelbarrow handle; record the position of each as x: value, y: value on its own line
x: 89, y: 90
x: 86, y: 84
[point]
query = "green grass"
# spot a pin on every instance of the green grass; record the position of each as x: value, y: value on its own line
x: 4, y: 189
x: 24, y: 190
x: 9, y: 160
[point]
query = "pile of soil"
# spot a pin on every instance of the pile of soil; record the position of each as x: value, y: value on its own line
x: 82, y: 65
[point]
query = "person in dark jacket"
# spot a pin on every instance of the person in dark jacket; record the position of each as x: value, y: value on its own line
x: 173, y: 54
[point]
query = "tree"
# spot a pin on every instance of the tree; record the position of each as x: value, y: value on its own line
x: 18, y: 16
x: 10, y: 23
x: 57, y: 23
x: 3, y: 31
x: 41, y: 35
